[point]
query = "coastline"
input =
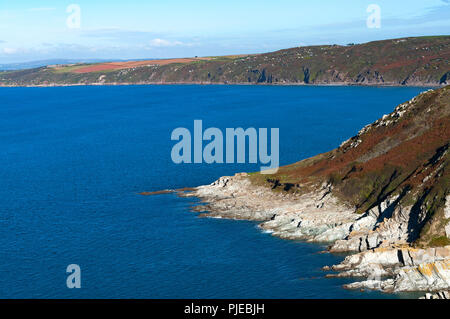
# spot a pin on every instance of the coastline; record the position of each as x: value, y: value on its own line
x: 319, y: 217
x: 395, y: 243
x: 337, y: 84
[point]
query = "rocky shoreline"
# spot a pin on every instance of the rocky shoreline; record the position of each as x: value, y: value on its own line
x: 377, y: 239
x: 382, y: 196
x: 374, y: 84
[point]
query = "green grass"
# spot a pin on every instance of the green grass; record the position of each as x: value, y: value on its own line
x: 439, y: 241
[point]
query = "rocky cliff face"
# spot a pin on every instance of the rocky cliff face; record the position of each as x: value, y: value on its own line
x: 399, y: 269
x: 394, y: 173
x: 383, y: 195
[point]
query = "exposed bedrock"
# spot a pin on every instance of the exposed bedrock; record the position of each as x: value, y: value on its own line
x: 399, y: 269
x: 383, y: 195
x: 380, y: 237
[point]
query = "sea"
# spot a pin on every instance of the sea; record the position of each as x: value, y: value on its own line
x: 74, y: 160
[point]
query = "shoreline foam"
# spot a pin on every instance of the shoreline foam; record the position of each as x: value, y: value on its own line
x: 320, y: 218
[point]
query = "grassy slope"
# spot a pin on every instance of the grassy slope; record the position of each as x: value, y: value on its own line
x: 405, y: 153
x: 423, y: 60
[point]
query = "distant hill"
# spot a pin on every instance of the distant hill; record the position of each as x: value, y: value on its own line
x: 405, y: 61
x: 41, y: 63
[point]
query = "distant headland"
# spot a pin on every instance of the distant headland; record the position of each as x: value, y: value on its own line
x: 414, y: 61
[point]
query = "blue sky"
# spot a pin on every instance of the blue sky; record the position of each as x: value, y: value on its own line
x: 112, y: 29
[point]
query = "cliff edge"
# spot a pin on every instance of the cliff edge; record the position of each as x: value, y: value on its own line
x: 383, y: 195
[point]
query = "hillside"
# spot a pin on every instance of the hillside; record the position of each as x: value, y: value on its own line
x: 407, y: 61
x: 401, y: 160
x: 383, y: 195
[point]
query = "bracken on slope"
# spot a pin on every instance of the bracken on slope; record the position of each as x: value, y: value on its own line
x: 400, y: 162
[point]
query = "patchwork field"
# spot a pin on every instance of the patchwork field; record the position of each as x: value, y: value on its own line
x: 112, y: 66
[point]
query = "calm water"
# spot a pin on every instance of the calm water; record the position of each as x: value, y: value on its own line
x: 74, y: 159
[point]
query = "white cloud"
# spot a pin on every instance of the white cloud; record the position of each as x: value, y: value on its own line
x: 9, y: 50
x: 165, y: 43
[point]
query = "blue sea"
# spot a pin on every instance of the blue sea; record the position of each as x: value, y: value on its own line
x: 74, y: 160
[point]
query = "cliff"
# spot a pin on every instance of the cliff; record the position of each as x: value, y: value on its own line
x: 383, y: 195
x: 394, y: 169
x: 406, y: 61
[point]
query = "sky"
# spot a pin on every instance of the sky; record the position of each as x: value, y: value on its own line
x: 32, y: 30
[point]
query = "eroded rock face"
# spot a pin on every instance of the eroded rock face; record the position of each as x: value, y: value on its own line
x: 439, y: 295
x: 316, y: 216
x: 319, y: 217
x: 372, y: 195
x: 409, y: 269
x: 383, y: 226
x: 427, y: 276
x: 447, y: 215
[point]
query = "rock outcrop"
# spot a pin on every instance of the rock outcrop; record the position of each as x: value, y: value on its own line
x: 383, y: 195
x: 439, y: 295
x: 319, y: 217
x: 406, y: 269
